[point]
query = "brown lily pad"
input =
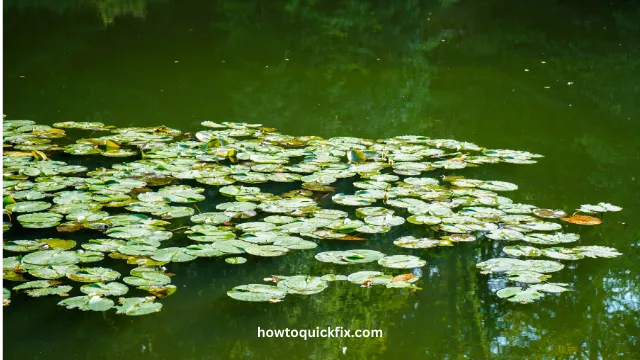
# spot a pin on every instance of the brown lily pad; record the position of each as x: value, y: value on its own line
x: 582, y: 220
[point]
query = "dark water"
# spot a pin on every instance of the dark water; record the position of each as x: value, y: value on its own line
x: 558, y: 78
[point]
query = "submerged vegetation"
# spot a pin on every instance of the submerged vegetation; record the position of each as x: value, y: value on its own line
x: 168, y: 173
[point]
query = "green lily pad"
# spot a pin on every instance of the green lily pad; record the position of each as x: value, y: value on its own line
x: 351, y: 200
x: 266, y: 250
x: 139, y: 231
x: 147, y: 278
x: 232, y: 246
x: 384, y: 220
x: 103, y: 245
x: 137, y: 306
x: 526, y: 276
x: 160, y: 291
x: 102, y: 289
x: 6, y: 295
x: 39, y: 220
x: 236, y: 260
x: 293, y: 243
x: 499, y: 265
x: 542, y: 226
x: 424, y: 220
x: 257, y: 293
x: 517, y: 294
x: 522, y: 251
x: 372, y: 277
x: 401, y: 262
x: 204, y: 250
x: 95, y: 274
x: 61, y: 290
x: 255, y: 226
x: 211, y: 218
x: 358, y: 256
x: 551, y: 239
x: 37, y: 284
x: 28, y: 206
x: 303, y: 285
x: 411, y: 242
x: 88, y: 303
x: 235, y: 190
x: 560, y: 253
x: 334, y: 277
x: 595, y: 251
x: 549, y: 287
x: 52, y: 271
x: 22, y: 245
x: 172, y: 254
x: 88, y: 256
x: 505, y: 234
x: 51, y: 257
x: 549, y: 213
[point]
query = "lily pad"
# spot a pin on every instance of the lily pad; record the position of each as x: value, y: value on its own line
x: 257, y: 293
x: 6, y: 295
x: 95, y: 274
x: 102, y: 289
x: 51, y: 257
x: 266, y: 250
x: 147, y: 278
x: 137, y: 306
x: 28, y: 206
x: 401, y: 262
x: 303, y: 285
x: 359, y: 256
x: 62, y: 290
x: 517, y: 294
x: 582, y: 220
x: 172, y: 254
x: 236, y: 260
x: 88, y: 303
x: 369, y: 278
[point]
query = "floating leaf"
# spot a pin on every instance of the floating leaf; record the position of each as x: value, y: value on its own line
x: 522, y: 251
x: 147, y: 278
x: 369, y: 278
x: 359, y: 256
x: 95, y: 274
x: 549, y: 213
x: 172, y: 254
x: 302, y: 284
x: 401, y: 262
x: 88, y: 303
x: 102, y: 289
x: 138, y: 306
x: 6, y: 295
x: 61, y: 290
x: 266, y: 250
x: 582, y: 220
x: 28, y: 206
x: 595, y: 251
x: 257, y: 293
x: 51, y: 257
x: 236, y: 260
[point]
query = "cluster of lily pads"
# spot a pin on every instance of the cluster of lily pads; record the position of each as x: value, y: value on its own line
x: 138, y: 205
x: 308, y: 285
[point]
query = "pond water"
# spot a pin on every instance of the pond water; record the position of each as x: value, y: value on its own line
x: 553, y: 78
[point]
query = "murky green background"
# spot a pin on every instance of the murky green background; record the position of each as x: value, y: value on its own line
x: 558, y: 78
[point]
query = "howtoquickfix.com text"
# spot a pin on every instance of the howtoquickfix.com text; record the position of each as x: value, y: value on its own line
x: 328, y: 332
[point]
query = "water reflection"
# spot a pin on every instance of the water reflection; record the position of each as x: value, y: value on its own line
x: 108, y: 10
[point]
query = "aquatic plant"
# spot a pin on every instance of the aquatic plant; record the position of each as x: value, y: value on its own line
x: 170, y: 172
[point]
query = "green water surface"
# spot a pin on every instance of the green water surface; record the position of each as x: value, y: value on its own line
x: 558, y: 78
